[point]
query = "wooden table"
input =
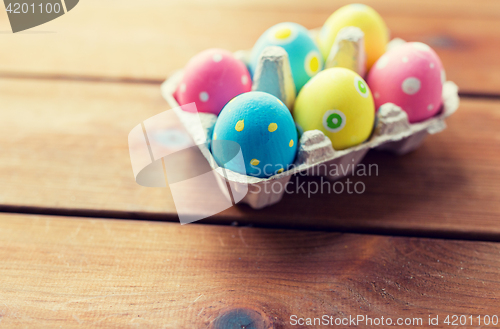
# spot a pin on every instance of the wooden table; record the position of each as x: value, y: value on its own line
x: 82, y: 245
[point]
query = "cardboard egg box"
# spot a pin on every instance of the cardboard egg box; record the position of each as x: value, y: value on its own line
x: 392, y: 131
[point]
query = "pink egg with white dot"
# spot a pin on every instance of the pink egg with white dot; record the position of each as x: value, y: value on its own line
x: 211, y: 79
x: 410, y: 76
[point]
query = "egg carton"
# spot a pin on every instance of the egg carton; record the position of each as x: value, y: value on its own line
x: 392, y: 131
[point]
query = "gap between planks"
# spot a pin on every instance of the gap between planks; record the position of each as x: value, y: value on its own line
x: 145, y: 81
x: 228, y: 221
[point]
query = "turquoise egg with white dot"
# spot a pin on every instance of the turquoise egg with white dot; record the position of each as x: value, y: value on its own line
x: 303, y: 53
x: 263, y: 128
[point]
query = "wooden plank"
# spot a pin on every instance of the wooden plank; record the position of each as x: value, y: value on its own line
x: 149, y: 40
x: 72, y: 272
x: 448, y: 187
x: 64, y: 150
x: 66, y: 145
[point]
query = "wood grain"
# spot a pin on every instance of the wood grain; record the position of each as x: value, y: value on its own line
x: 149, y: 40
x: 72, y: 272
x: 64, y: 150
x: 448, y: 187
x: 64, y: 145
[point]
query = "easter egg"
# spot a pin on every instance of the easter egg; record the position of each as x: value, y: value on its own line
x: 264, y: 129
x: 211, y: 79
x: 303, y: 53
x: 410, y: 76
x: 363, y: 17
x: 338, y: 102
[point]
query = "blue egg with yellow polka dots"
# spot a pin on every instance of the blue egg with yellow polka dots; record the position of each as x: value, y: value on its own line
x: 303, y: 53
x: 263, y: 128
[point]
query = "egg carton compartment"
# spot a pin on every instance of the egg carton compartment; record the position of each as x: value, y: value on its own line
x: 392, y: 132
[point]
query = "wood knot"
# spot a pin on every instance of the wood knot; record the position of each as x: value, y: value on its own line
x: 241, y: 318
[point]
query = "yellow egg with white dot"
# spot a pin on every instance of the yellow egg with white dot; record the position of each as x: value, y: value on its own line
x: 361, y: 16
x: 338, y: 102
